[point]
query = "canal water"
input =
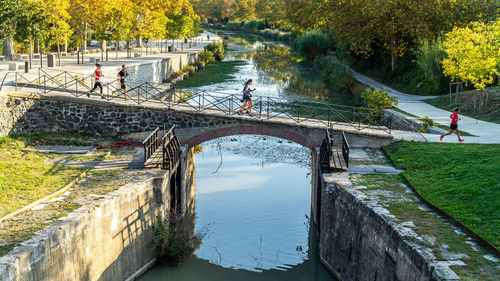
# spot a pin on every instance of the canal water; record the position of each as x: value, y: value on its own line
x: 253, y: 198
x: 276, y: 70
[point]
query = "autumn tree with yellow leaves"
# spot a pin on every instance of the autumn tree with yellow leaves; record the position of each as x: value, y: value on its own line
x: 473, y: 56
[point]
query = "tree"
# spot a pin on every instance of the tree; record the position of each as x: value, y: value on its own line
x: 58, y: 18
x: 31, y: 25
x: 8, y: 18
x: 473, y: 55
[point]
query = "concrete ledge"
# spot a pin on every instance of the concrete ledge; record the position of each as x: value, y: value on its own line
x: 16, y: 66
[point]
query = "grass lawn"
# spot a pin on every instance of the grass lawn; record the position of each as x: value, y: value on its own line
x: 212, y: 74
x: 28, y: 176
x: 461, y: 179
x: 490, y: 113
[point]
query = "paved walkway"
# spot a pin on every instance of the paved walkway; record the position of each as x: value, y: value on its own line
x: 486, y: 132
x: 111, y: 67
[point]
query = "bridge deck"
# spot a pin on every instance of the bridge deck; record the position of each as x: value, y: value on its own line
x: 156, y: 158
x: 337, y: 161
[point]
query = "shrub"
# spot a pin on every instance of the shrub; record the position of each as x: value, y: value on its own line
x: 428, y: 122
x: 377, y: 99
x: 250, y: 26
x: 174, y: 238
x: 206, y: 57
x: 313, y: 43
x: 217, y: 49
x: 234, y: 25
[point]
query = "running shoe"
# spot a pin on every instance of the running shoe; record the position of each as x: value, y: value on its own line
x: 441, y: 138
x: 88, y: 95
x: 460, y: 140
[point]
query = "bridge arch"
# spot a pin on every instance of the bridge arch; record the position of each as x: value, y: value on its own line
x: 206, y: 134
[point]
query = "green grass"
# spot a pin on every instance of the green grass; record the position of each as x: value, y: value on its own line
x: 490, y: 113
x: 446, y: 128
x: 212, y: 74
x: 28, y: 176
x: 461, y: 179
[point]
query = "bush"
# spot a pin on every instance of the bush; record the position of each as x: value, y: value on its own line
x: 217, y: 49
x: 206, y: 57
x: 313, y: 43
x: 234, y: 25
x: 377, y: 99
x: 174, y: 238
x: 250, y: 26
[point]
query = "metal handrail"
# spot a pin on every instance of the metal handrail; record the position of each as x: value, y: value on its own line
x: 325, y: 153
x: 345, y: 150
x: 171, y: 150
x: 151, y: 144
x: 297, y: 110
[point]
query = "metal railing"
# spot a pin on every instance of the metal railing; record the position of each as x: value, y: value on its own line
x: 345, y: 150
x: 171, y: 150
x: 290, y: 109
x: 325, y: 153
x: 329, y: 154
x: 151, y: 144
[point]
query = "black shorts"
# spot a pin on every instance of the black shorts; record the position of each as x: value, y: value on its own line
x: 453, y: 126
x: 122, y: 85
x: 246, y: 98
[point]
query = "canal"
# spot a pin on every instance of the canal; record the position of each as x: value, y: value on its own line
x: 253, y: 197
x: 253, y: 193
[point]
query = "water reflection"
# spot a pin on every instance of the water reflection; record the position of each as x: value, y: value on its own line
x: 277, y: 72
x: 253, y: 192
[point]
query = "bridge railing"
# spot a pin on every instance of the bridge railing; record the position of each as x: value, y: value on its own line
x: 345, y: 150
x: 296, y: 110
x: 171, y: 150
x: 151, y: 144
x: 291, y: 109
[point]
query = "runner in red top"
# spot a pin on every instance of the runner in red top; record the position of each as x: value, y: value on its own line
x: 454, y: 125
x: 97, y: 75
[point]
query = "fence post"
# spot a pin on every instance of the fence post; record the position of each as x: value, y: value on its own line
x: 76, y: 86
x: 16, y: 80
x: 268, y: 107
x: 260, y: 107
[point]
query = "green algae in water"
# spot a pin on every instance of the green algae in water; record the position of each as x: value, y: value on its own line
x: 212, y: 74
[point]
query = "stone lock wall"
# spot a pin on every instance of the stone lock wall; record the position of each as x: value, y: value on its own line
x: 358, y: 243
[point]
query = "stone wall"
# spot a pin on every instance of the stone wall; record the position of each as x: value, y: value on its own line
x: 108, y: 240
x: 399, y: 121
x: 358, y: 241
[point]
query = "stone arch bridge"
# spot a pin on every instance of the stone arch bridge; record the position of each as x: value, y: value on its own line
x: 25, y: 112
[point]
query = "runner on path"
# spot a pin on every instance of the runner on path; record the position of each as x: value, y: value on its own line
x: 122, y: 75
x: 454, y: 125
x: 247, y: 98
x: 97, y: 75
